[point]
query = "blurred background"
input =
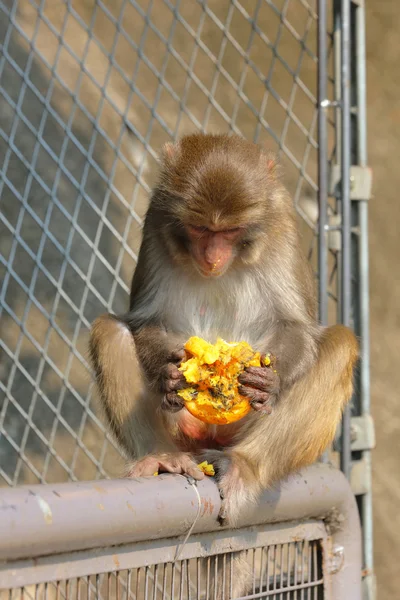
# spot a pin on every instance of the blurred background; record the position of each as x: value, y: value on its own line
x: 383, y: 93
x: 87, y: 97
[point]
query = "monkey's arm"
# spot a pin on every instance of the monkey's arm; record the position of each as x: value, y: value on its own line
x: 157, y: 349
x: 294, y: 344
x: 129, y: 406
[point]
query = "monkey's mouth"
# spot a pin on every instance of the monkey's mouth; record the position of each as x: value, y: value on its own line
x: 210, y: 273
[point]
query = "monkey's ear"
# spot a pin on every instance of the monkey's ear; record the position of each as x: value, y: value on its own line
x: 169, y: 152
x: 272, y: 163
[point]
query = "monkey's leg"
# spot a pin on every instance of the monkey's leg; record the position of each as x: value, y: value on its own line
x: 229, y: 576
x: 132, y: 410
x: 302, y: 424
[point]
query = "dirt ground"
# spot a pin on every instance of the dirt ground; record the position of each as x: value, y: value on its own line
x: 61, y: 375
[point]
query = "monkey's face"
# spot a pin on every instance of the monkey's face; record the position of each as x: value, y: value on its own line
x: 211, y: 247
x: 216, y: 200
x: 213, y: 251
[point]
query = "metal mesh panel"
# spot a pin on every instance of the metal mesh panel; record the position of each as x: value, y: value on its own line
x: 285, y: 571
x: 89, y: 91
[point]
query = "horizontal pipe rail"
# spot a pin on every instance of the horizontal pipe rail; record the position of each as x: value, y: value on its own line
x: 41, y: 520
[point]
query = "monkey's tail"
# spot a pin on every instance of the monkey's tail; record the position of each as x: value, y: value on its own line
x: 120, y: 384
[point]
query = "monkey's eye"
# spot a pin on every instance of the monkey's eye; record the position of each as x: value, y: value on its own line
x: 196, y: 230
x: 233, y: 231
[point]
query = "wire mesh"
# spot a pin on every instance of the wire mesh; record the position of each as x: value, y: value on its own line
x: 285, y: 571
x: 89, y: 91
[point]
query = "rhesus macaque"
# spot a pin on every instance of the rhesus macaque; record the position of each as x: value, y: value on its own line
x: 221, y: 257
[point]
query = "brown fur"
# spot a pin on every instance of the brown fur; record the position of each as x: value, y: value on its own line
x: 266, y: 297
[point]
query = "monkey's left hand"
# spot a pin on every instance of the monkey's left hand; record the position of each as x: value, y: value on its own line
x: 261, y: 386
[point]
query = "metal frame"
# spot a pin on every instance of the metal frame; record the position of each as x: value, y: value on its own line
x: 349, y: 173
x: 57, y: 526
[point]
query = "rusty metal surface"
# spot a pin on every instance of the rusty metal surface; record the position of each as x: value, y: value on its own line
x: 282, y: 570
x: 85, y: 563
x: 45, y: 520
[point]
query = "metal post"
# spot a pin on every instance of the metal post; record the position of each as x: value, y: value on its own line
x: 322, y: 164
x: 366, y: 500
x: 345, y: 457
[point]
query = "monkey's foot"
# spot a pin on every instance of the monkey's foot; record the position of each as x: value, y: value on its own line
x: 235, y: 481
x: 261, y: 386
x: 234, y: 496
x: 177, y: 462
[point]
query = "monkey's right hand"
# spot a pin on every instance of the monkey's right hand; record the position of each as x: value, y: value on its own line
x: 172, y: 380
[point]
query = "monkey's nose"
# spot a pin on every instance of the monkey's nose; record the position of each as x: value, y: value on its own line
x: 214, y: 265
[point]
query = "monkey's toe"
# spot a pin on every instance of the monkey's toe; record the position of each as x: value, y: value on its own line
x: 178, y: 463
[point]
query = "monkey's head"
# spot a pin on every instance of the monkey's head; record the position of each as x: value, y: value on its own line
x: 217, y: 199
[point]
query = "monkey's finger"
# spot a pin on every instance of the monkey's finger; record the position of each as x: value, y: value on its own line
x: 255, y: 381
x: 262, y: 379
x: 268, y: 360
x: 265, y: 372
x: 173, y: 385
x: 253, y: 394
x: 178, y: 355
x: 223, y: 514
x: 172, y: 402
x: 173, y: 372
x: 144, y: 468
x: 263, y: 407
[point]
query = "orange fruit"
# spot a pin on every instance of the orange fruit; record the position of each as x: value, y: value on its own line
x: 212, y: 372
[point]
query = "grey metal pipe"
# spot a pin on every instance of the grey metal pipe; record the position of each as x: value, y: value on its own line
x: 322, y: 165
x: 366, y: 501
x: 47, y: 519
x: 345, y: 456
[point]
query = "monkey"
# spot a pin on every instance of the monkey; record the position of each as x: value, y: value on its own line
x: 221, y: 257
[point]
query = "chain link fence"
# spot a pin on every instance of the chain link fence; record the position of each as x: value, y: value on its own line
x: 89, y: 91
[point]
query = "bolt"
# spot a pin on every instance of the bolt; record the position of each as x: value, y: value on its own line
x: 337, y: 559
x: 353, y: 433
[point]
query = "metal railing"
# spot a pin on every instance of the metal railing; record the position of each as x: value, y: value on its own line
x: 89, y: 91
x: 118, y: 539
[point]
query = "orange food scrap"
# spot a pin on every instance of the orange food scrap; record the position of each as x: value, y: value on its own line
x: 207, y: 468
x: 213, y: 371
